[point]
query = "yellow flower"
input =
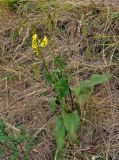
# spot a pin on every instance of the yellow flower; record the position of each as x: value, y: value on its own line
x: 44, y: 42
x: 34, y: 37
x: 35, y: 41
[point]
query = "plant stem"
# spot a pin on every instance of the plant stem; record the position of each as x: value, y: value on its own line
x: 44, y: 62
x: 23, y: 151
x: 72, y: 102
x: 71, y: 97
x: 52, y: 50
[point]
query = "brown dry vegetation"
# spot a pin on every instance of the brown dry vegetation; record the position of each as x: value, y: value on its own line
x: 88, y: 36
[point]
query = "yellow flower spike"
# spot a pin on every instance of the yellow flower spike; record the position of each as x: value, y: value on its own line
x: 44, y: 42
x: 35, y: 41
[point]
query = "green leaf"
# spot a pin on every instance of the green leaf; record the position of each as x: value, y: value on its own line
x: 3, y: 138
x: 83, y: 92
x: 11, y: 146
x: 98, y: 79
x: 59, y: 63
x: 60, y: 134
x: 11, y: 137
x: 53, y: 104
x: 1, y: 152
x: 15, y: 154
x: 48, y: 77
x: 85, y: 89
x: 56, y: 74
x: 30, y: 143
x: 20, y: 139
x: 23, y: 131
x: 2, y: 126
x: 22, y: 136
x: 95, y: 80
x: 7, y: 76
x: 62, y: 87
x: 86, y: 84
x: 71, y: 123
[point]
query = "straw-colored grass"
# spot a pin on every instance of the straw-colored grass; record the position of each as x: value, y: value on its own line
x: 87, y: 34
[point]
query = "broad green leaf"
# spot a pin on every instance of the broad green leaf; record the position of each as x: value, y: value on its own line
x: 60, y: 134
x: 71, y: 123
x: 86, y: 84
x: 95, y: 80
x: 55, y: 74
x: 48, y: 77
x: 98, y: 79
x: 62, y: 87
x: 83, y: 92
x: 86, y: 87
x: 53, y: 104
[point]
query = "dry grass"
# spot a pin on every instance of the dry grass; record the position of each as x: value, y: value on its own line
x: 88, y: 36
